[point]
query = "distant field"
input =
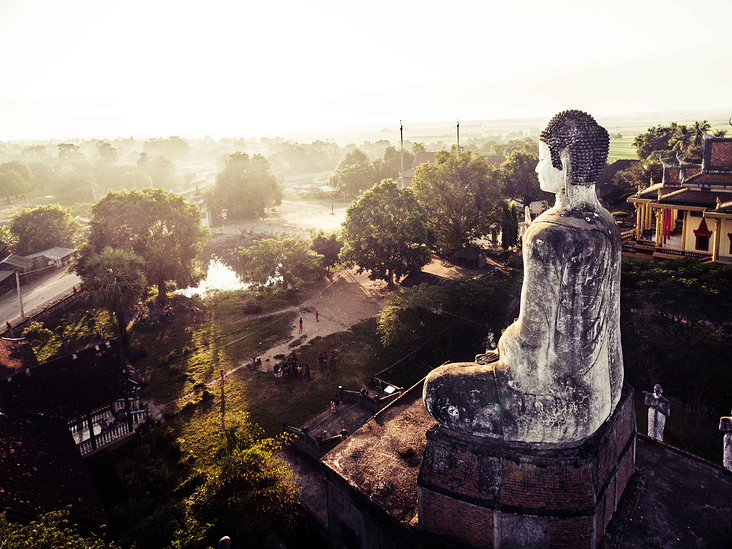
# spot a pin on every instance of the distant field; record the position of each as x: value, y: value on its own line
x: 621, y: 149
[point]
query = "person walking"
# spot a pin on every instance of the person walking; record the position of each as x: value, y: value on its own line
x: 316, y: 316
x: 300, y: 324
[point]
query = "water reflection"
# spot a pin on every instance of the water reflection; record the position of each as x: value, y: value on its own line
x: 218, y: 277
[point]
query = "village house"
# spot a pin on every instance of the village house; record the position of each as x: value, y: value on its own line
x: 689, y: 213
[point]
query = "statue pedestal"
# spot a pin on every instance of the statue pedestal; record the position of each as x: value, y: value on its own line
x: 489, y: 493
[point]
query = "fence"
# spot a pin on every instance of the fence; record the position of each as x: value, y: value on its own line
x: 44, y: 314
x: 314, y: 446
x: 372, y: 403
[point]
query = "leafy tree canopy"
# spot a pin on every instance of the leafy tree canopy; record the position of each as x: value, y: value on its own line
x: 8, y: 241
x: 327, y: 245
x: 16, y: 179
x: 162, y: 228
x: 459, y: 193
x: 43, y: 227
x: 386, y: 232
x: 518, y: 174
x: 50, y: 531
x: 354, y: 173
x: 509, y: 225
x: 282, y: 259
x: 244, y: 188
x: 247, y: 492
x: 115, y: 281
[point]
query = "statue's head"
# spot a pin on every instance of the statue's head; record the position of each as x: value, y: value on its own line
x: 657, y: 390
x: 577, y: 145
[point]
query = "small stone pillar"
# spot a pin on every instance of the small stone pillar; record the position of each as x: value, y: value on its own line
x: 725, y: 425
x: 225, y: 543
x: 658, y: 410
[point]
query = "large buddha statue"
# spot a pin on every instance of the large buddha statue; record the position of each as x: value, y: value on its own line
x: 560, y: 370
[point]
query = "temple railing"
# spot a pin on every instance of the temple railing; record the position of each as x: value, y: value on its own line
x: 314, y: 446
x: 372, y: 403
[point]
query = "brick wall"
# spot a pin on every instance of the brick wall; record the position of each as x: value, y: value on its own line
x: 455, y: 519
x: 556, y: 497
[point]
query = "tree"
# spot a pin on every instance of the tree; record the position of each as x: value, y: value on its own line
x: 43, y: 227
x: 162, y: 228
x: 354, y: 173
x: 656, y: 139
x: 509, y: 225
x: 15, y: 179
x: 390, y: 166
x: 50, y: 531
x: 698, y: 130
x: 244, y: 188
x: 281, y: 259
x: 459, y: 193
x: 7, y: 241
x: 327, y: 245
x: 519, y: 178
x: 386, y: 233
x: 247, y: 492
x: 115, y: 281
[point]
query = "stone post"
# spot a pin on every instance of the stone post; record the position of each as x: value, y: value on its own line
x: 725, y: 425
x: 658, y: 410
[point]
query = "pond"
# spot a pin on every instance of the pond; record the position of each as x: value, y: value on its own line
x: 219, y: 276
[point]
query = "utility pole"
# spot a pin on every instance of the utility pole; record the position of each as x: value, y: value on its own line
x: 458, y: 136
x: 20, y: 297
x: 401, y: 160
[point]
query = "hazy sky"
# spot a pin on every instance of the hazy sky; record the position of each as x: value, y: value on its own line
x: 145, y: 68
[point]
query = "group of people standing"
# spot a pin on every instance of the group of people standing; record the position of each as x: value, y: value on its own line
x: 324, y: 360
x: 291, y: 368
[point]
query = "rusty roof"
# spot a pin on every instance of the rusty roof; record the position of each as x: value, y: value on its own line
x: 75, y: 384
x: 15, y: 356
x: 42, y: 470
x: 382, y: 458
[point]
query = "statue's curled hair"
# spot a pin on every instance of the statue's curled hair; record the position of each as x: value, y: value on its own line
x: 586, y: 141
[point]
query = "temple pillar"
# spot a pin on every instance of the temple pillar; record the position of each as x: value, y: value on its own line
x: 684, y: 225
x: 649, y: 213
x: 659, y: 227
x: 717, y: 232
x: 638, y: 221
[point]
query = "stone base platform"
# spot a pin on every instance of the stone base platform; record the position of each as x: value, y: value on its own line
x: 490, y: 494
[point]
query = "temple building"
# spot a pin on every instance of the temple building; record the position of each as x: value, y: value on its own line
x: 689, y: 213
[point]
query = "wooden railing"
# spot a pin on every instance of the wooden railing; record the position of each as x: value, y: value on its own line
x: 45, y: 313
x: 138, y: 415
x: 104, y: 438
x: 314, y: 446
x: 371, y: 403
x: 671, y: 251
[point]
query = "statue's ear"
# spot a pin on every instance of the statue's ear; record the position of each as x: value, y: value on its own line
x: 564, y: 156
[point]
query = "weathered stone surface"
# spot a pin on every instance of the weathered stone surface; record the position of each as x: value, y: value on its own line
x: 560, y: 371
x: 659, y: 409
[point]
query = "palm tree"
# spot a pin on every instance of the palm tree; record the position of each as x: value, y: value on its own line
x: 682, y: 138
x: 114, y: 281
x: 698, y: 131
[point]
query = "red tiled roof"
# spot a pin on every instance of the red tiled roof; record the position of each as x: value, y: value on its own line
x: 705, y: 178
x: 692, y: 197
x: 15, y: 356
x: 422, y: 157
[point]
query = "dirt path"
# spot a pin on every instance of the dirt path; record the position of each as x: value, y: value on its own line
x: 347, y: 300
